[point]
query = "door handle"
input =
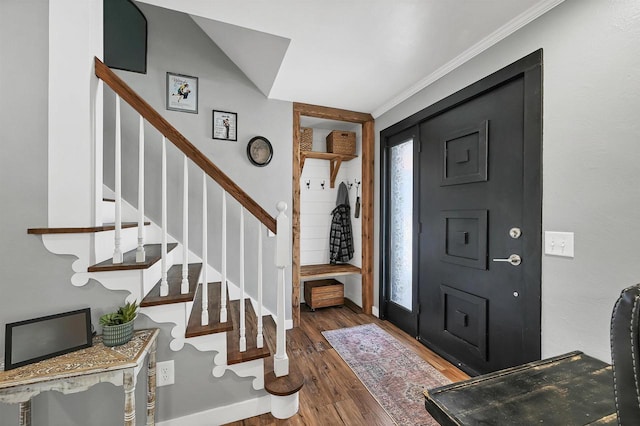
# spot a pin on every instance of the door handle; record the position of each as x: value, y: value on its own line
x: 514, y: 259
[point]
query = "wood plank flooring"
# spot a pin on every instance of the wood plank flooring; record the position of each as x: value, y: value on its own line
x: 332, y: 394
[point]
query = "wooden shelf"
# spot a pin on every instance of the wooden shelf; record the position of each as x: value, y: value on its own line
x: 334, y: 159
x: 324, y: 271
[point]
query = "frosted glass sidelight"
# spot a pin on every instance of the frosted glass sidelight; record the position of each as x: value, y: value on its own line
x: 401, y: 220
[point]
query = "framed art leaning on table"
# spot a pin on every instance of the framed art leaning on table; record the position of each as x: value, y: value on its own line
x: 41, y: 338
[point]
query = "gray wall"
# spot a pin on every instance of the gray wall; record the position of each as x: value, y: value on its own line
x: 36, y: 282
x: 590, y: 158
x: 178, y: 45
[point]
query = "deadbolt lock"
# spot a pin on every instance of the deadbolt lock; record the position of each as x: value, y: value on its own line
x: 515, y: 233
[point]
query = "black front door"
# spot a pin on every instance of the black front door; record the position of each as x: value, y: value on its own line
x: 479, y: 208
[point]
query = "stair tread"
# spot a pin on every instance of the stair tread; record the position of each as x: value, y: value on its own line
x: 174, y: 278
x: 82, y: 229
x: 234, y: 356
x: 194, y: 327
x: 280, y: 386
x: 153, y: 254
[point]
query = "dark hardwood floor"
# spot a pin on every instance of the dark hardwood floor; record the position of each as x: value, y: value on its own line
x: 332, y: 394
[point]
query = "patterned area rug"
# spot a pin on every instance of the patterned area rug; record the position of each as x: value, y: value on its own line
x: 393, y: 374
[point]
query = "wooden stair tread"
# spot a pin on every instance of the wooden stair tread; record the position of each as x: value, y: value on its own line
x: 285, y: 385
x: 153, y: 254
x: 280, y: 386
x: 82, y: 230
x: 320, y: 271
x: 174, y: 278
x: 234, y: 356
x: 194, y: 327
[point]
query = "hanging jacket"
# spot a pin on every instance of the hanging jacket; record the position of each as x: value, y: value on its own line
x: 341, y: 237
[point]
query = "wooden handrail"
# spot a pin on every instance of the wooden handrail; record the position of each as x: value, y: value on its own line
x: 104, y: 73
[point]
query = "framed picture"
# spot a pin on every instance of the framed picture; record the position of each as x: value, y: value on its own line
x: 41, y: 338
x: 225, y: 125
x: 182, y: 93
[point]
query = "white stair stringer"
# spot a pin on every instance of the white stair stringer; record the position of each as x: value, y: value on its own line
x: 176, y: 313
x: 254, y: 368
x: 78, y: 245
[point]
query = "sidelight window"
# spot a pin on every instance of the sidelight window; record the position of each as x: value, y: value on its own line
x: 400, y: 222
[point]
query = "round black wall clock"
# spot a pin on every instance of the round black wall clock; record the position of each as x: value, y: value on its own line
x: 259, y: 151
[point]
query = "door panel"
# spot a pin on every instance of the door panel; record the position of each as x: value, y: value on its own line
x: 471, y: 194
x: 463, y: 238
x: 465, y: 320
x: 464, y: 155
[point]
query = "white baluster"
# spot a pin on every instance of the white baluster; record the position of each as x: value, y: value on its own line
x: 184, y: 287
x: 259, y: 338
x: 283, y: 259
x: 243, y: 339
x: 164, y: 284
x: 140, y: 253
x: 223, y: 284
x: 117, y: 251
x: 205, y: 284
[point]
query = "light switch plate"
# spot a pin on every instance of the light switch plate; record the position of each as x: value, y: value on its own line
x: 558, y: 244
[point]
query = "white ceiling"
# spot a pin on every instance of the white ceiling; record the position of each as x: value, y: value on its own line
x: 360, y: 55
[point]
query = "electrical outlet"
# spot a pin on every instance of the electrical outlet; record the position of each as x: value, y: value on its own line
x: 165, y: 373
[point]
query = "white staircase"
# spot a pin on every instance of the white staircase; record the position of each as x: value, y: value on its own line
x: 122, y: 257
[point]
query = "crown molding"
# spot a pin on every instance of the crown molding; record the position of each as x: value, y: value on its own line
x: 484, y: 44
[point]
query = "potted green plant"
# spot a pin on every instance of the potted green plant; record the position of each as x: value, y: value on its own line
x: 117, y: 327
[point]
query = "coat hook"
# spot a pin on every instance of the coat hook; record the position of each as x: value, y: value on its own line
x: 308, y: 183
x: 349, y: 184
x: 357, y: 183
x: 322, y: 184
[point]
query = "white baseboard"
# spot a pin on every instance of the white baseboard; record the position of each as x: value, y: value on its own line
x: 375, y: 312
x: 227, y: 414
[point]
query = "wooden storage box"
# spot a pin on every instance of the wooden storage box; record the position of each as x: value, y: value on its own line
x: 340, y: 142
x: 323, y: 293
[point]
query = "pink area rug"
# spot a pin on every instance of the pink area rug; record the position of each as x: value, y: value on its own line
x: 393, y: 373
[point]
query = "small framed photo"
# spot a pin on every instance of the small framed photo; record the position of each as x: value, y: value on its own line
x: 225, y: 125
x: 182, y: 93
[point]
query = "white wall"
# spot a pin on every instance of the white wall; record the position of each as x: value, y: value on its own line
x: 591, y: 150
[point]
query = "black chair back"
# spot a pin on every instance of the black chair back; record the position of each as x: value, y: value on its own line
x: 625, y: 356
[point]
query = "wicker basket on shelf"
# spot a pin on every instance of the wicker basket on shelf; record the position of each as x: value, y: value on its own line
x: 340, y: 142
x: 306, y: 139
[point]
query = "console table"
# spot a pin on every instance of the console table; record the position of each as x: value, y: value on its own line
x: 570, y: 389
x: 78, y: 371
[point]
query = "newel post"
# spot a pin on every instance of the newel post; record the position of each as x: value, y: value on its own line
x: 283, y: 259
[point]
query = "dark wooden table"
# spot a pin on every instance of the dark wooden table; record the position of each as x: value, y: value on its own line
x: 570, y: 389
